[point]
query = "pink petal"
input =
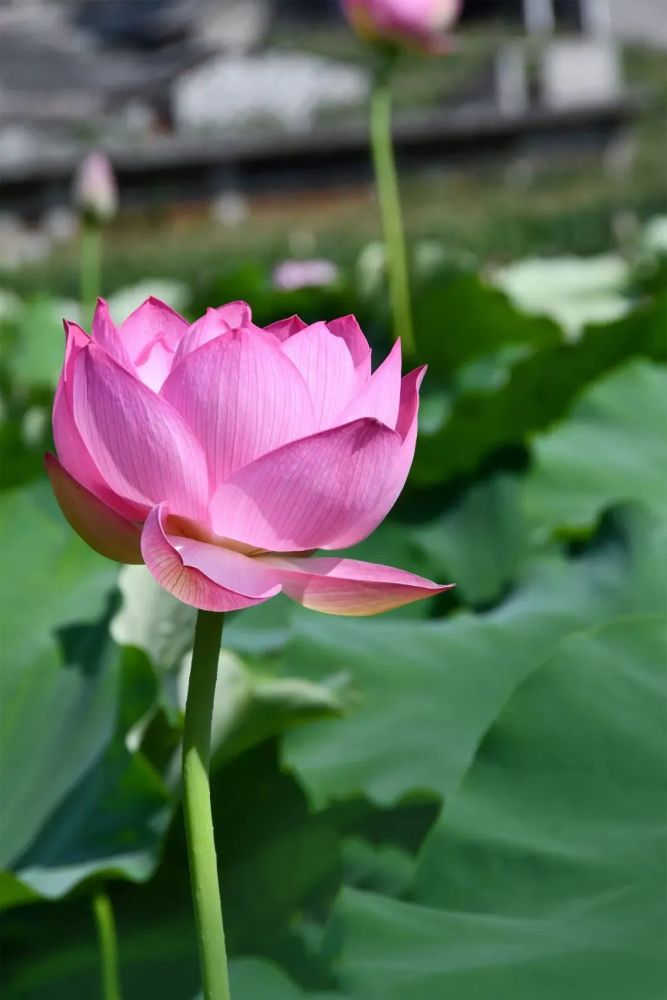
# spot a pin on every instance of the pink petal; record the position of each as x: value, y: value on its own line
x: 205, y: 576
x: 142, y: 447
x: 285, y: 328
x: 379, y: 397
x: 347, y: 586
x: 408, y: 410
x: 151, y: 319
x: 326, y: 365
x: 106, y: 531
x: 241, y: 397
x: 106, y: 334
x: 151, y: 335
x: 156, y: 364
x: 307, y: 493
x: 215, y: 323
x: 351, y: 333
x: 71, y: 449
x: 395, y: 472
x: 72, y: 452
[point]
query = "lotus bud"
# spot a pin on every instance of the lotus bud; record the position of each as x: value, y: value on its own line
x: 419, y: 24
x: 95, y: 191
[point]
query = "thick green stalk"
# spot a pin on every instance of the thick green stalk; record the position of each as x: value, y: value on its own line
x: 389, y: 198
x: 90, y: 265
x: 197, y: 806
x: 106, y: 932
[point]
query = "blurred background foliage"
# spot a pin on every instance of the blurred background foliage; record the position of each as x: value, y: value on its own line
x: 462, y: 798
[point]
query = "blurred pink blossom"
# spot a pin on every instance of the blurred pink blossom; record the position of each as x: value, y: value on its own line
x: 291, y: 275
x: 412, y: 23
x: 222, y: 454
x: 95, y: 191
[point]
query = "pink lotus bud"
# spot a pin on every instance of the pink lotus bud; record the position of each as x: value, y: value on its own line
x: 95, y: 191
x: 291, y: 275
x: 221, y: 455
x: 408, y: 23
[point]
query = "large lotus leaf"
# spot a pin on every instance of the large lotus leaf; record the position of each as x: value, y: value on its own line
x: 545, y: 875
x: 76, y: 802
x: 429, y: 690
x: 611, y: 448
x: 563, y: 802
x: 112, y: 822
x: 532, y: 392
x: 59, y: 678
x: 111, y: 825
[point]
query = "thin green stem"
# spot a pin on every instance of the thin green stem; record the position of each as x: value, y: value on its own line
x: 386, y: 179
x: 106, y: 933
x: 197, y: 806
x: 90, y: 265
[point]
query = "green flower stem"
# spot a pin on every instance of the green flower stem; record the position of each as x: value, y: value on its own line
x: 106, y: 932
x: 90, y: 265
x: 386, y: 180
x: 197, y: 806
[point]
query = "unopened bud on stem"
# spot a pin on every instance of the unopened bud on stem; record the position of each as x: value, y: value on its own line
x: 416, y: 24
x: 95, y: 191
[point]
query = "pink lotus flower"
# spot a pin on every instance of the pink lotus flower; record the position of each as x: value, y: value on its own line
x: 413, y: 23
x: 222, y: 455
